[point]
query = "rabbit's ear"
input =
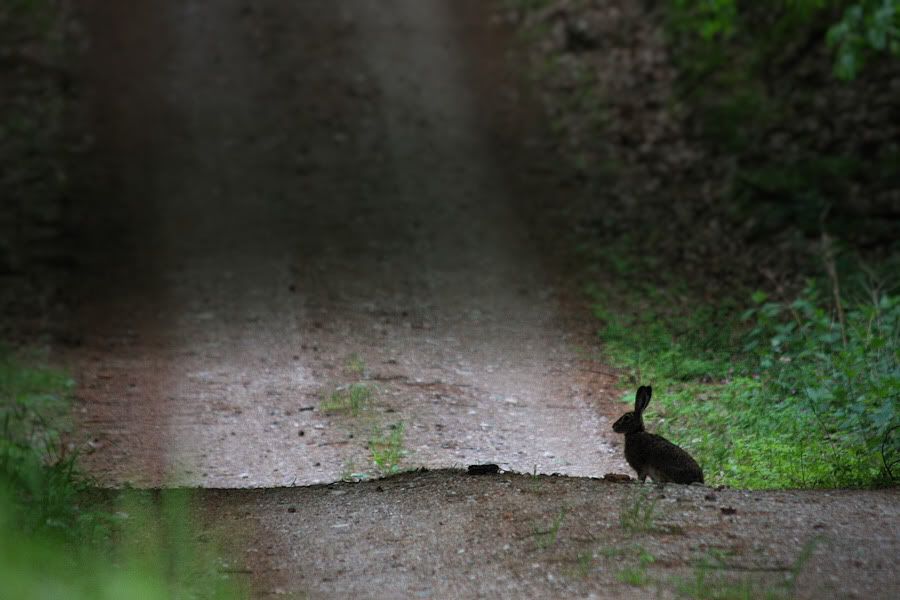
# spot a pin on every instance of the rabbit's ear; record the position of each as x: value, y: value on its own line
x: 643, y: 398
x: 640, y: 394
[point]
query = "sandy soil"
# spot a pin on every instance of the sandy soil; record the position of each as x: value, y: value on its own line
x: 282, y: 199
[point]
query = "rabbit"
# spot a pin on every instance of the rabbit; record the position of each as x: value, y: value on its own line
x: 654, y: 455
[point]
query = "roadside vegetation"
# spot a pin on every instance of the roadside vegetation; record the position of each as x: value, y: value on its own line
x: 61, y: 537
x: 736, y: 215
x: 387, y: 448
x: 783, y: 394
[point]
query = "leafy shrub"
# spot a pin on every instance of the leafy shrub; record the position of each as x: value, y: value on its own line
x: 781, y: 396
x: 867, y: 27
x: 855, y: 30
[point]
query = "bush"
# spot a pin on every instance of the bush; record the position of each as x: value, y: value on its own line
x: 839, y: 370
x: 784, y: 395
x: 866, y: 28
x: 854, y: 30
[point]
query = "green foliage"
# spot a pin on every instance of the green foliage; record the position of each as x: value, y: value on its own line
x: 633, y: 576
x: 842, y: 378
x: 658, y: 344
x: 798, y: 191
x: 855, y: 30
x: 783, y: 395
x: 59, y: 538
x: 750, y: 81
x: 35, y: 471
x: 352, y: 399
x: 711, y: 19
x: 151, y: 551
x: 387, y: 449
x: 159, y: 550
x: 636, y: 560
x: 866, y: 28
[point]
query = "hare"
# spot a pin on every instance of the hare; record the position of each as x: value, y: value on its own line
x: 654, y: 455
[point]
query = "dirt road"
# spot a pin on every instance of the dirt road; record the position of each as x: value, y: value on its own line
x: 304, y: 197
x: 282, y: 199
x: 450, y: 535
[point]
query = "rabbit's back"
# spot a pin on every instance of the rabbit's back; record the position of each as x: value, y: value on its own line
x: 656, y: 457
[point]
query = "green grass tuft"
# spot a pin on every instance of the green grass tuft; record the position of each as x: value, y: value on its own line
x: 387, y: 449
x: 639, y: 511
x: 546, y: 537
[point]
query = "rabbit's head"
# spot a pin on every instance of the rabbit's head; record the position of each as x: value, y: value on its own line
x: 632, y: 421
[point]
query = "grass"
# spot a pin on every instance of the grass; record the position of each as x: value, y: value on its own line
x: 387, y: 448
x: 547, y: 537
x: 59, y: 537
x: 713, y: 579
x: 36, y: 471
x: 713, y: 576
x: 535, y: 482
x: 349, y: 473
x: 781, y: 394
x: 385, y: 445
x: 352, y: 399
x: 639, y: 512
x: 356, y: 365
x: 635, y: 574
x: 584, y: 563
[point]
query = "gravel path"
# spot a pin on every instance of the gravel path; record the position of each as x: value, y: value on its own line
x: 307, y: 198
